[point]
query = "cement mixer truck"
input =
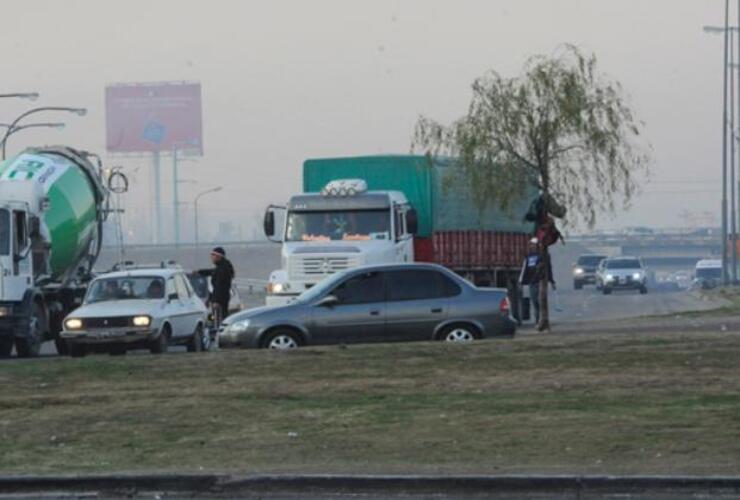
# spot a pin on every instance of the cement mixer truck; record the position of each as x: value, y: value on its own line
x: 52, y: 206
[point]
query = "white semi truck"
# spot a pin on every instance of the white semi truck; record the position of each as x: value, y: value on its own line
x: 343, y: 226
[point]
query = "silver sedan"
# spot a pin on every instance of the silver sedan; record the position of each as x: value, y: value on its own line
x: 377, y: 304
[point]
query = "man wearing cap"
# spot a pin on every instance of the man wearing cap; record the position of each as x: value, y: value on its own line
x: 221, y: 279
x: 533, y: 270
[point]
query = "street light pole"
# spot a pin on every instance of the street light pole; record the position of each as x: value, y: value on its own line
x: 724, y: 145
x: 176, y: 190
x: 14, y: 123
x: 31, y: 96
x: 733, y: 228
x: 195, y: 210
x: 18, y: 128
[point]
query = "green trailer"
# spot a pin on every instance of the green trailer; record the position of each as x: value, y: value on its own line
x: 487, y: 246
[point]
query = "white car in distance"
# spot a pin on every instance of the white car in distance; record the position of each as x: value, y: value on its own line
x: 134, y: 309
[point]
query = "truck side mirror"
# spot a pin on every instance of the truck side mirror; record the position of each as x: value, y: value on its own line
x: 269, y: 223
x: 412, y: 221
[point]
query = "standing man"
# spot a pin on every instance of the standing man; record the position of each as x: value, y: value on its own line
x: 533, y: 270
x: 221, y: 279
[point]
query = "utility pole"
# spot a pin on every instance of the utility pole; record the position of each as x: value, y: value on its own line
x: 724, y: 143
x: 157, y: 201
x: 733, y: 227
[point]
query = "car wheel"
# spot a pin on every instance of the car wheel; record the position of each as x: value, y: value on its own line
x: 577, y: 285
x: 6, y: 346
x: 30, y: 345
x: 61, y: 345
x: 76, y: 350
x: 282, y: 340
x: 607, y: 291
x: 196, y: 341
x: 458, y: 333
x: 643, y: 290
x: 159, y: 345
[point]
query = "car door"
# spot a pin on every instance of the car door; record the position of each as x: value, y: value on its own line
x: 189, y: 312
x: 359, y: 315
x: 418, y: 301
x: 173, y: 308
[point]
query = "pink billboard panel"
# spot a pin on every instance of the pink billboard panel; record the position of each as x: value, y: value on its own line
x: 153, y: 117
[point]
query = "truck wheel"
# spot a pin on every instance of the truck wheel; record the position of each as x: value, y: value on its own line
x: 76, y: 350
x: 159, y: 345
x: 196, y: 341
x: 30, y: 345
x: 6, y: 347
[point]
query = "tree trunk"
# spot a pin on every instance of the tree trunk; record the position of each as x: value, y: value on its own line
x: 544, y: 323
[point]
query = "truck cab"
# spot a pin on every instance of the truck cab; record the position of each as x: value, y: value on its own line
x: 343, y: 226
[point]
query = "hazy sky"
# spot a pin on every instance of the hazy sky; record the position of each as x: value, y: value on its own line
x: 288, y: 80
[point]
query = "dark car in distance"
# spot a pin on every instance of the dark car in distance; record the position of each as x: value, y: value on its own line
x: 385, y: 303
x: 584, y: 270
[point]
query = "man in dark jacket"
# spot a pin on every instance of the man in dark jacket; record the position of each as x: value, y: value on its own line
x: 533, y: 269
x: 221, y: 278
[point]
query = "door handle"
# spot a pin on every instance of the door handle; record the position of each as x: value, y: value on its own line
x: 374, y: 313
x: 437, y: 310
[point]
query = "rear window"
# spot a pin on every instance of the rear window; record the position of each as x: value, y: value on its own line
x: 623, y: 264
x: 420, y: 285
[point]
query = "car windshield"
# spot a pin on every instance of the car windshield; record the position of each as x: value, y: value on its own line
x: 321, y: 287
x: 709, y: 273
x: 623, y: 264
x: 590, y: 260
x: 125, y: 288
x: 353, y: 225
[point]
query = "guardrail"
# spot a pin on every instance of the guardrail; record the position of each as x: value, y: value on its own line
x: 251, y: 285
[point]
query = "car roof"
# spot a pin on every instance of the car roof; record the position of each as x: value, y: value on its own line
x: 709, y: 263
x: 624, y: 257
x: 133, y: 273
x: 401, y: 267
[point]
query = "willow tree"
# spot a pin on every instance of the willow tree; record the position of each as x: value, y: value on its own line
x: 561, y: 127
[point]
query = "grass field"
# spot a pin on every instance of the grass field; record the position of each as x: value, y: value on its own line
x: 584, y: 403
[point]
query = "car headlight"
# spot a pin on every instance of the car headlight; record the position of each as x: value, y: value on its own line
x: 73, y: 324
x: 5, y: 311
x: 142, y: 320
x: 578, y: 270
x: 276, y: 288
x: 637, y: 276
x: 238, y: 327
x: 609, y: 277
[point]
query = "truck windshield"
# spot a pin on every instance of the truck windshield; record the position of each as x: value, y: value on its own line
x: 355, y: 225
x: 4, y: 232
x: 709, y: 273
x: 140, y: 287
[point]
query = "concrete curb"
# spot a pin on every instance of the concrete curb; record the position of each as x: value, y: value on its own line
x: 222, y: 484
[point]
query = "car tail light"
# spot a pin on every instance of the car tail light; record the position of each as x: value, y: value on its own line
x: 503, y: 306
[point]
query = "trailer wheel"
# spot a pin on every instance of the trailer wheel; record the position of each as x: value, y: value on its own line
x: 30, y: 345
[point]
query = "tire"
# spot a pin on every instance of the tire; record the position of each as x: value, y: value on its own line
x: 281, y: 340
x: 459, y: 334
x: 159, y: 345
x: 30, y: 345
x: 606, y: 291
x: 6, y: 346
x: 61, y: 345
x: 577, y: 285
x: 643, y: 290
x: 196, y: 342
x: 76, y: 350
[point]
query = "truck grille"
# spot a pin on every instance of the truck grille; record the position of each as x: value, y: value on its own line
x: 114, y: 322
x: 313, y: 268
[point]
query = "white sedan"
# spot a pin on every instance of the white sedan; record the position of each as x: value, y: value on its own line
x: 134, y: 309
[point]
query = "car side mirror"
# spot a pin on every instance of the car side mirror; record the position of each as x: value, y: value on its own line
x: 328, y: 301
x: 171, y: 297
x: 269, y: 224
x: 412, y: 221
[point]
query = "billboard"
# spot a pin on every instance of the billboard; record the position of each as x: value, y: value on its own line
x: 146, y: 117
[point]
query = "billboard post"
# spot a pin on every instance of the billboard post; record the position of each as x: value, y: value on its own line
x: 155, y: 118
